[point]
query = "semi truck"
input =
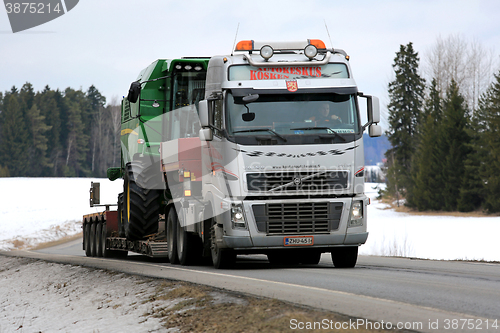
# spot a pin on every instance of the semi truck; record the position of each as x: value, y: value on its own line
x: 256, y: 152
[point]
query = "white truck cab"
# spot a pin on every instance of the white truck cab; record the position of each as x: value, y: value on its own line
x: 281, y: 155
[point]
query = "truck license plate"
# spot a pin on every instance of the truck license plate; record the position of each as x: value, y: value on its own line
x: 298, y: 240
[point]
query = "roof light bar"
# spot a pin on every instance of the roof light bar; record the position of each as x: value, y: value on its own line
x: 251, y: 45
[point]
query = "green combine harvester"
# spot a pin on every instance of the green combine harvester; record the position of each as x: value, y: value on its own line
x: 163, y: 86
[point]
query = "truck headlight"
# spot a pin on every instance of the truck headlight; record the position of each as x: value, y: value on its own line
x: 356, y: 214
x: 237, y: 217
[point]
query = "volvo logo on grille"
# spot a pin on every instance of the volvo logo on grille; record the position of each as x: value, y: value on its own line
x: 297, y: 181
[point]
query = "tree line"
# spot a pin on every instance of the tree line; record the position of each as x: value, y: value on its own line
x: 53, y: 133
x: 445, y: 131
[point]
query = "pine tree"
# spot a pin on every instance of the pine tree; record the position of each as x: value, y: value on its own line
x: 47, y: 102
x: 38, y: 143
x: 97, y: 129
x: 76, y: 145
x: 76, y: 108
x: 472, y: 189
x: 406, y: 98
x: 489, y: 145
x: 453, y: 140
x: 27, y: 96
x: 427, y: 161
x: 14, y: 145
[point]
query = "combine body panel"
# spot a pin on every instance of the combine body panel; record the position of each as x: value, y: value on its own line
x: 260, y: 151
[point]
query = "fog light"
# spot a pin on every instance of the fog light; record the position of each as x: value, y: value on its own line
x: 266, y: 52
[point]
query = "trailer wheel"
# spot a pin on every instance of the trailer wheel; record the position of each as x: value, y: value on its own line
x: 86, y: 239
x: 141, y: 200
x: 221, y: 258
x: 121, y: 227
x: 172, y: 235
x: 98, y: 235
x: 345, y: 257
x: 92, y: 240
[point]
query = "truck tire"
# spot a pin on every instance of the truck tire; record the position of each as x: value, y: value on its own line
x: 221, y: 258
x: 92, y: 240
x: 141, y: 201
x: 121, y: 227
x: 98, y: 235
x: 171, y: 229
x: 189, y: 247
x: 345, y: 257
x: 86, y: 239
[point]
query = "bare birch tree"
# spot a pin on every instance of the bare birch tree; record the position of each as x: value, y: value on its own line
x: 469, y: 64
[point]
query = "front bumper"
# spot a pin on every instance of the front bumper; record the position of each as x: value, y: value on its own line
x: 262, y: 236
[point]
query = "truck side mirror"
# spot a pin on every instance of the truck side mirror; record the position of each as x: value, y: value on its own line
x: 134, y: 92
x: 204, y: 114
x: 206, y: 134
x: 373, y: 109
x: 374, y: 130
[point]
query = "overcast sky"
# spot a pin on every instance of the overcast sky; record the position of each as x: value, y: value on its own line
x: 107, y: 43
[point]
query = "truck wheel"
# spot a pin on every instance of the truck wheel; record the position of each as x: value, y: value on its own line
x: 345, y: 257
x: 98, y: 235
x: 140, y: 201
x: 188, y: 247
x: 121, y: 227
x: 86, y: 240
x: 171, y: 226
x: 221, y: 258
x: 92, y: 240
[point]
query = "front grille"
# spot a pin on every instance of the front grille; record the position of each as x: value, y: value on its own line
x: 279, y: 182
x: 297, y: 217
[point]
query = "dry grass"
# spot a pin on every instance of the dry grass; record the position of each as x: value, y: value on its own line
x: 193, y: 309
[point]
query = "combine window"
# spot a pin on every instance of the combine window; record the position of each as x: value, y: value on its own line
x: 188, y: 90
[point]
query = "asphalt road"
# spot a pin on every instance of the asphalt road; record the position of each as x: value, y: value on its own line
x: 420, y: 295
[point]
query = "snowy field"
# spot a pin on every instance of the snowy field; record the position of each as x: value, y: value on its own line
x: 429, y: 237
x: 36, y: 210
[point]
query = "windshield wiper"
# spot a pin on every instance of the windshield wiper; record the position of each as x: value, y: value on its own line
x: 318, y: 127
x: 260, y: 130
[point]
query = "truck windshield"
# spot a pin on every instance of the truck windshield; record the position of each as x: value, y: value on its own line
x: 298, y: 118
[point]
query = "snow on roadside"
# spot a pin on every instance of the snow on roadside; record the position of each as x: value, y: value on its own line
x: 36, y: 210
x: 429, y: 237
x: 44, y: 297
